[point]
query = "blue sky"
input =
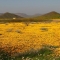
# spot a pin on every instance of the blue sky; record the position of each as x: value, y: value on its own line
x: 29, y: 6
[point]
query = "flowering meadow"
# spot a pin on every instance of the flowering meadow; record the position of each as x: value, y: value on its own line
x: 30, y: 41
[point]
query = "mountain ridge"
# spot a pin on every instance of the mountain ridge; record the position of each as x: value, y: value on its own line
x: 50, y: 15
x: 9, y: 15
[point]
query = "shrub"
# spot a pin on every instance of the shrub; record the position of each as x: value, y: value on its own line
x: 44, y: 29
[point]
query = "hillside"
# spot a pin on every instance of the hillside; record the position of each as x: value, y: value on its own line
x: 1, y: 13
x: 50, y: 15
x: 22, y: 14
x: 9, y: 15
x: 27, y: 16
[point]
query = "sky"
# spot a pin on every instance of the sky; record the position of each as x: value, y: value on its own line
x: 29, y: 6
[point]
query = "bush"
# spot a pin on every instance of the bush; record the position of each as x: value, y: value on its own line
x: 4, y: 56
x: 44, y: 29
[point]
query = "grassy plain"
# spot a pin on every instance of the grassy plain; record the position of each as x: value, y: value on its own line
x: 21, y: 39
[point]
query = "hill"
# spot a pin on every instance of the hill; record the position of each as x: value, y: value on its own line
x: 9, y: 15
x: 1, y: 13
x: 27, y: 16
x: 37, y: 15
x: 22, y: 14
x: 50, y: 15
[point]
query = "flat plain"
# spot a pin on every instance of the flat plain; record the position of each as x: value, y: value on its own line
x: 19, y: 38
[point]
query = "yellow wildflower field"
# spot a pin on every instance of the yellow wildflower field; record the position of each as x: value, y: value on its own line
x: 20, y: 38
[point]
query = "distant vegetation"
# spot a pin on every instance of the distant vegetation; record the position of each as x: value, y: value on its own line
x: 9, y: 17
